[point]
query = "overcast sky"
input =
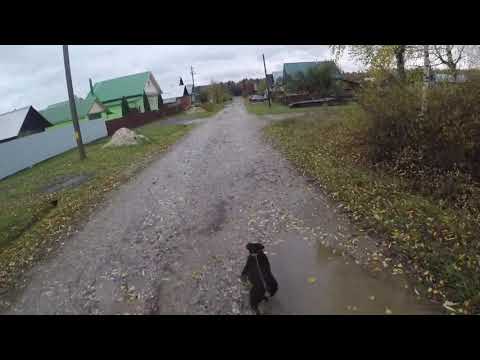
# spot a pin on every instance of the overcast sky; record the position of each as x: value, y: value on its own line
x: 34, y: 75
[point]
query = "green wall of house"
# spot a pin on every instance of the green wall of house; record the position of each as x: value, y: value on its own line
x: 115, y: 108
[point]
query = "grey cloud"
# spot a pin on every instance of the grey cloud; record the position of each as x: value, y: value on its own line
x: 34, y: 75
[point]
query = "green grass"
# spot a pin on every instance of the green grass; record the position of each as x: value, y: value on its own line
x: 277, y: 108
x: 435, y: 241
x: 29, y: 224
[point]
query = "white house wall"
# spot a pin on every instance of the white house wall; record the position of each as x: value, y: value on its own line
x: 96, y: 108
x: 153, y: 100
x: 150, y: 88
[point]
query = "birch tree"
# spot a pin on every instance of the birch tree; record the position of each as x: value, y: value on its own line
x: 427, y: 76
x: 378, y: 57
x: 450, y: 56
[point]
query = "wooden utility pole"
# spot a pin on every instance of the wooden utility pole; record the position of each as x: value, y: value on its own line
x: 193, y: 80
x: 73, y: 108
x: 266, y: 81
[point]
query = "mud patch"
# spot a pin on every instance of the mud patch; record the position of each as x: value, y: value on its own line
x: 66, y: 182
x: 218, y: 217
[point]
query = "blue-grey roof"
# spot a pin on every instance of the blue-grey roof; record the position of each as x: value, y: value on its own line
x: 176, y: 91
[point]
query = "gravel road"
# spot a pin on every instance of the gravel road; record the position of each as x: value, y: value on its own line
x: 172, y: 240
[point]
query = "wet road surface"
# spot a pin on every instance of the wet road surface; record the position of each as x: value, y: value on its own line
x: 172, y: 240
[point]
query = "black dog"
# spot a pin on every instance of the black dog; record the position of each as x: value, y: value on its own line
x: 257, y: 270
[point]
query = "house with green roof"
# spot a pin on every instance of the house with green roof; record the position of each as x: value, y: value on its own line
x: 87, y: 109
x: 292, y: 70
x: 131, y: 87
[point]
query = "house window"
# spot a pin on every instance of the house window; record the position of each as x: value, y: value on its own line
x: 94, y: 116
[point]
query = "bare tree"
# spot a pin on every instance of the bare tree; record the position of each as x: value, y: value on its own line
x: 383, y: 55
x: 449, y: 55
x: 471, y: 55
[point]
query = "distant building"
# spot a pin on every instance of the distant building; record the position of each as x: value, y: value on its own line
x: 277, y: 77
x: 177, y: 95
x: 292, y: 70
x: 22, y: 122
x: 449, y: 78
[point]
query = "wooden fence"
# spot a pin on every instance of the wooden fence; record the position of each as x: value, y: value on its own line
x: 136, y: 119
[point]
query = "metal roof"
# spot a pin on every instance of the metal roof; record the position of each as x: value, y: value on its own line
x: 62, y: 103
x: 169, y: 100
x: 117, y: 88
x: 11, y: 122
x: 173, y: 92
x: 60, y: 112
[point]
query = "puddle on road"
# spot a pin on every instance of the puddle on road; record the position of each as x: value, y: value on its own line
x: 334, y: 287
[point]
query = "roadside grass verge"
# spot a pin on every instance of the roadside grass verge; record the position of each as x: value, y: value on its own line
x: 30, y: 224
x: 277, y: 108
x: 431, y: 239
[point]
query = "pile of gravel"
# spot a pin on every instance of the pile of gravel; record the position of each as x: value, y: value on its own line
x: 126, y: 137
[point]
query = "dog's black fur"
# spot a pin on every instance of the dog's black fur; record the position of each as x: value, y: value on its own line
x: 251, y: 272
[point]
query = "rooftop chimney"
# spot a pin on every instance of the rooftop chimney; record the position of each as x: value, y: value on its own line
x: 91, y: 86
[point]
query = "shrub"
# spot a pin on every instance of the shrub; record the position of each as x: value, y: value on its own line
x: 320, y: 80
x: 391, y: 112
x: 125, y: 107
x: 447, y: 138
x: 217, y: 92
x: 203, y: 97
x: 208, y: 106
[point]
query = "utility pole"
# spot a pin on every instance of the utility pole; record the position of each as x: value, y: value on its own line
x: 193, y: 80
x: 193, y: 83
x: 266, y: 81
x: 73, y: 108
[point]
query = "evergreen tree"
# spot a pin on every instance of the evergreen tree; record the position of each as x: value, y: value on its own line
x: 146, y: 103
x: 125, y: 108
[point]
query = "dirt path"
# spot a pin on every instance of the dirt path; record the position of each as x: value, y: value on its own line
x: 172, y: 241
